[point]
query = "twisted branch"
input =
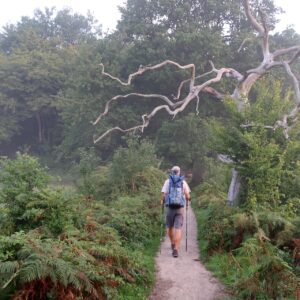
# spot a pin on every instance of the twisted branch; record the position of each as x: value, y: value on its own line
x: 172, y: 108
x: 240, y: 94
x: 143, y: 69
x: 122, y: 97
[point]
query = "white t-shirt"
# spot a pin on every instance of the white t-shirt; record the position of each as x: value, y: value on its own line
x: 165, y: 188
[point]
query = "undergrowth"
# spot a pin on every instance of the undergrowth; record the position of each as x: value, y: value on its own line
x: 252, y: 252
x: 62, y: 244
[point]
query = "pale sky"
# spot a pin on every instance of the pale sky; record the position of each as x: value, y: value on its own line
x: 106, y: 11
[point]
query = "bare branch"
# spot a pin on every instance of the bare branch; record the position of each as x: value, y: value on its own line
x: 188, y: 80
x: 114, y: 129
x: 234, y: 187
x: 256, y: 125
x: 122, y: 97
x: 293, y: 115
x: 259, y: 28
x: 230, y: 73
x: 144, y: 69
x: 225, y: 158
x: 227, y: 71
x: 146, y: 118
x: 295, y: 56
x: 213, y: 92
x: 294, y: 81
x: 172, y: 108
x: 197, y: 105
x: 264, y: 18
x: 286, y: 51
x: 243, y: 43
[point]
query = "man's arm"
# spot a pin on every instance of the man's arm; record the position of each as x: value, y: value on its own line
x: 187, y: 196
x: 187, y: 191
x: 164, y: 191
x: 162, y: 198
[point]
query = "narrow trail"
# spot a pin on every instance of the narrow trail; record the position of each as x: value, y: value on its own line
x: 185, y: 277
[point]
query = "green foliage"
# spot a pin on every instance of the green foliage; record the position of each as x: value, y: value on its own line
x: 185, y: 141
x: 215, y: 186
x: 81, y: 263
x: 265, y: 161
x: 88, y: 161
x: 96, y: 185
x: 128, y: 165
x: 251, y: 247
x: 135, y: 219
x: 290, y: 184
x: 251, y: 251
x: 219, y: 231
x: 21, y: 180
x: 27, y: 201
x: 37, y: 57
x: 270, y: 101
x: 262, y: 169
x: 264, y: 271
x: 63, y: 245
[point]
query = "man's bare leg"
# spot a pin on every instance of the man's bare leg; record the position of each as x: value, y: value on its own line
x: 177, y: 238
x: 171, y: 235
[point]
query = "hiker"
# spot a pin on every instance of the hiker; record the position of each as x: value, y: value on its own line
x: 175, y: 193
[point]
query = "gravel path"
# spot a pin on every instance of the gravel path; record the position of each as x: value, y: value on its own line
x: 185, y: 277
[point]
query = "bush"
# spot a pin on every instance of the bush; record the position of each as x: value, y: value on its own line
x: 65, y: 246
x: 136, y: 219
x: 88, y: 264
x: 88, y: 163
x: 128, y: 165
x: 264, y: 272
x: 253, y: 251
x: 22, y: 179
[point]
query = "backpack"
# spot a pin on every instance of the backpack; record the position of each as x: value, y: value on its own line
x: 175, y: 198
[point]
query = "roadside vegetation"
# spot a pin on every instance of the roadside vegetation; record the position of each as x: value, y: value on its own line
x: 97, y: 242
x: 253, y: 247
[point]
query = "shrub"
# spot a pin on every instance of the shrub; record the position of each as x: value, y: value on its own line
x: 21, y: 179
x: 128, y: 165
x: 135, y: 219
x: 264, y: 272
x: 259, y: 247
x: 88, y: 162
x: 65, y: 246
x: 87, y: 264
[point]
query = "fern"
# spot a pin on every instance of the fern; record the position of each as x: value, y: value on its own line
x: 263, y: 270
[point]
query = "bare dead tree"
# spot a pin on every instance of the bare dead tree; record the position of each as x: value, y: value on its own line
x: 244, y: 83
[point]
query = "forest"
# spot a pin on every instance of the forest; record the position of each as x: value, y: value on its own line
x: 91, y: 123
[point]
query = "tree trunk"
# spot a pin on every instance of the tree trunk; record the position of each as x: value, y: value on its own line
x: 234, y: 188
x: 40, y: 127
x: 197, y: 174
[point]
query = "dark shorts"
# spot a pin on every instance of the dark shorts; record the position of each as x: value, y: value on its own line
x: 174, y: 217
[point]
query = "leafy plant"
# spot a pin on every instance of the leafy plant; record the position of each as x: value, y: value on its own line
x: 128, y: 164
x: 70, y: 246
x: 21, y: 180
x: 264, y: 272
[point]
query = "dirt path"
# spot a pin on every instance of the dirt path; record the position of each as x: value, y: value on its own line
x: 185, y: 277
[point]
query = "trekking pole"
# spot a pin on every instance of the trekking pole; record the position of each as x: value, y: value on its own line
x: 161, y: 226
x: 186, y: 227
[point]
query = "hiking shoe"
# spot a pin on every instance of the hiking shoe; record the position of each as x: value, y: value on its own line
x: 173, y: 247
x: 175, y: 253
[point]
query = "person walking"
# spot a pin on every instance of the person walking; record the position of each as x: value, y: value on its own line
x: 175, y: 193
